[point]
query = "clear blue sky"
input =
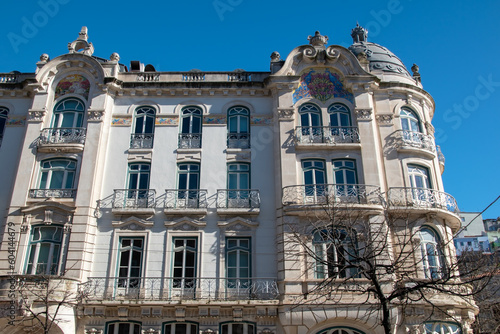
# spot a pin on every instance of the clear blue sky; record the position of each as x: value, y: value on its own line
x: 455, y: 43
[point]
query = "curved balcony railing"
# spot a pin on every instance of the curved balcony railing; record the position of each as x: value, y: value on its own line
x: 422, y: 198
x: 238, y: 140
x: 62, y: 136
x: 324, y: 194
x: 134, y: 198
x: 141, y: 140
x: 415, y: 139
x: 186, y: 199
x: 56, y: 193
x: 189, y: 140
x: 326, y: 134
x: 238, y: 199
x: 171, y: 288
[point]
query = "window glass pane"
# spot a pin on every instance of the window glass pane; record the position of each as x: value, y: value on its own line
x: 56, y: 181
x: 124, y: 329
x: 231, y: 259
x: 180, y: 328
x: 237, y: 329
x: 137, y: 329
x: 191, y: 243
x: 149, y: 125
x: 124, y: 258
x: 244, y: 259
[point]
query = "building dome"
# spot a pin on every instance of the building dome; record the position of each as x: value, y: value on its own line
x: 380, y: 58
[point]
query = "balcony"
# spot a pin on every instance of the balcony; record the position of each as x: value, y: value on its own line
x: 238, y: 201
x: 175, y: 289
x: 189, y: 140
x: 238, y: 140
x: 133, y: 201
x: 182, y: 201
x: 411, y: 140
x: 141, y: 140
x: 326, y: 135
x: 52, y: 193
x: 419, y: 199
x: 331, y: 195
x: 65, y: 139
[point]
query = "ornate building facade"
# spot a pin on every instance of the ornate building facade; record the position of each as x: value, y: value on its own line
x: 161, y: 198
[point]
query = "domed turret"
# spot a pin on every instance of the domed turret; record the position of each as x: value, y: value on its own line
x: 382, y: 61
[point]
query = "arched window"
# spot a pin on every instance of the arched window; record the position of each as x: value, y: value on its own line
x: 119, y: 327
x: 340, y: 116
x: 335, y: 253
x: 144, y: 127
x: 432, y: 254
x: 4, y: 112
x: 238, y: 127
x: 310, y: 124
x: 68, y: 113
x: 44, y: 250
x: 190, y: 136
x: 340, y: 330
x: 436, y: 327
x: 57, y: 178
x: 180, y: 328
x: 420, y: 184
x: 411, y: 127
x: 237, y: 328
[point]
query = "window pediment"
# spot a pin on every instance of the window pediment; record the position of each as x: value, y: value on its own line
x: 238, y: 224
x: 133, y: 223
x: 185, y: 223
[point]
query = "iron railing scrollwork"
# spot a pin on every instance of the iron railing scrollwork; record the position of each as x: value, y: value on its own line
x: 62, y: 136
x: 322, y: 194
x: 189, y: 140
x: 56, y: 193
x: 134, y: 198
x: 326, y: 134
x: 178, y: 288
x: 238, y: 140
x: 186, y: 199
x: 422, y: 198
x: 141, y: 140
x: 238, y: 199
x: 415, y: 139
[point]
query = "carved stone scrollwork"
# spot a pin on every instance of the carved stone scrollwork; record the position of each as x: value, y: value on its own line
x: 286, y: 113
x: 93, y: 331
x: 332, y: 53
x: 415, y: 329
x: 67, y: 228
x: 385, y: 119
x: 310, y: 53
x: 150, y: 331
x: 35, y: 115
x: 95, y: 115
x: 364, y: 114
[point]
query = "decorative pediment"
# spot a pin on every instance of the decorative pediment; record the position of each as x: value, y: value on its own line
x: 49, y: 204
x: 133, y: 223
x: 238, y: 224
x: 185, y: 224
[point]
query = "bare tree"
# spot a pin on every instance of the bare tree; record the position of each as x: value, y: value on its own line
x: 42, y: 299
x: 379, y: 256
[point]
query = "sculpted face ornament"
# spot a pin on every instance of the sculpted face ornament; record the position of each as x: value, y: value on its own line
x: 114, y: 57
x: 44, y: 58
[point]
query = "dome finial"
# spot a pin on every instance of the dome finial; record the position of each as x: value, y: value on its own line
x: 359, y: 34
x: 317, y: 39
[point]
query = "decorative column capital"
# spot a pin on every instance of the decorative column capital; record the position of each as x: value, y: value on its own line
x: 363, y: 114
x: 36, y: 115
x: 95, y: 115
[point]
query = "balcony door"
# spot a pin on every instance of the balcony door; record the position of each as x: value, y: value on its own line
x: 238, y: 128
x: 138, y: 185
x: 184, y: 266
x: 314, y: 180
x: 130, y: 264
x: 310, y: 122
x: 190, y: 136
x: 144, y: 128
x: 238, y: 185
x: 345, y: 178
x: 420, y: 184
x: 188, y: 185
x: 238, y: 265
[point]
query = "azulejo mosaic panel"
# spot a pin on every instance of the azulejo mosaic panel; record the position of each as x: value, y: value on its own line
x: 321, y: 84
x: 174, y: 120
x: 121, y: 121
x: 16, y: 121
x: 74, y: 84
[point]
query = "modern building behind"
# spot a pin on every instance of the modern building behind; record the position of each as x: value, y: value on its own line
x: 163, y: 197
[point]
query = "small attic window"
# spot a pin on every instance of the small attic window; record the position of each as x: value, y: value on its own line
x: 149, y: 68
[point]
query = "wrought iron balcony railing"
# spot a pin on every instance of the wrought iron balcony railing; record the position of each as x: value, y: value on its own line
x: 189, y: 140
x: 134, y: 198
x: 422, y: 198
x: 56, y: 193
x: 238, y: 199
x: 326, y: 134
x: 415, y: 139
x: 186, y: 199
x: 324, y: 194
x: 238, y: 140
x: 141, y: 140
x: 172, y: 288
x: 62, y: 136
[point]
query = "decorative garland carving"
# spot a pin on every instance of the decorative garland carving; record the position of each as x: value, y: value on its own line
x: 36, y: 115
x: 95, y: 115
x: 364, y: 114
x: 385, y: 119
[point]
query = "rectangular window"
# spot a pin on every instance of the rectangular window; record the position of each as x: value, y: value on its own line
x: 124, y: 328
x: 130, y: 262
x: 238, y: 328
x: 238, y: 263
x: 44, y: 250
x: 238, y: 185
x: 184, y: 266
x: 189, y: 183
x: 180, y: 328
